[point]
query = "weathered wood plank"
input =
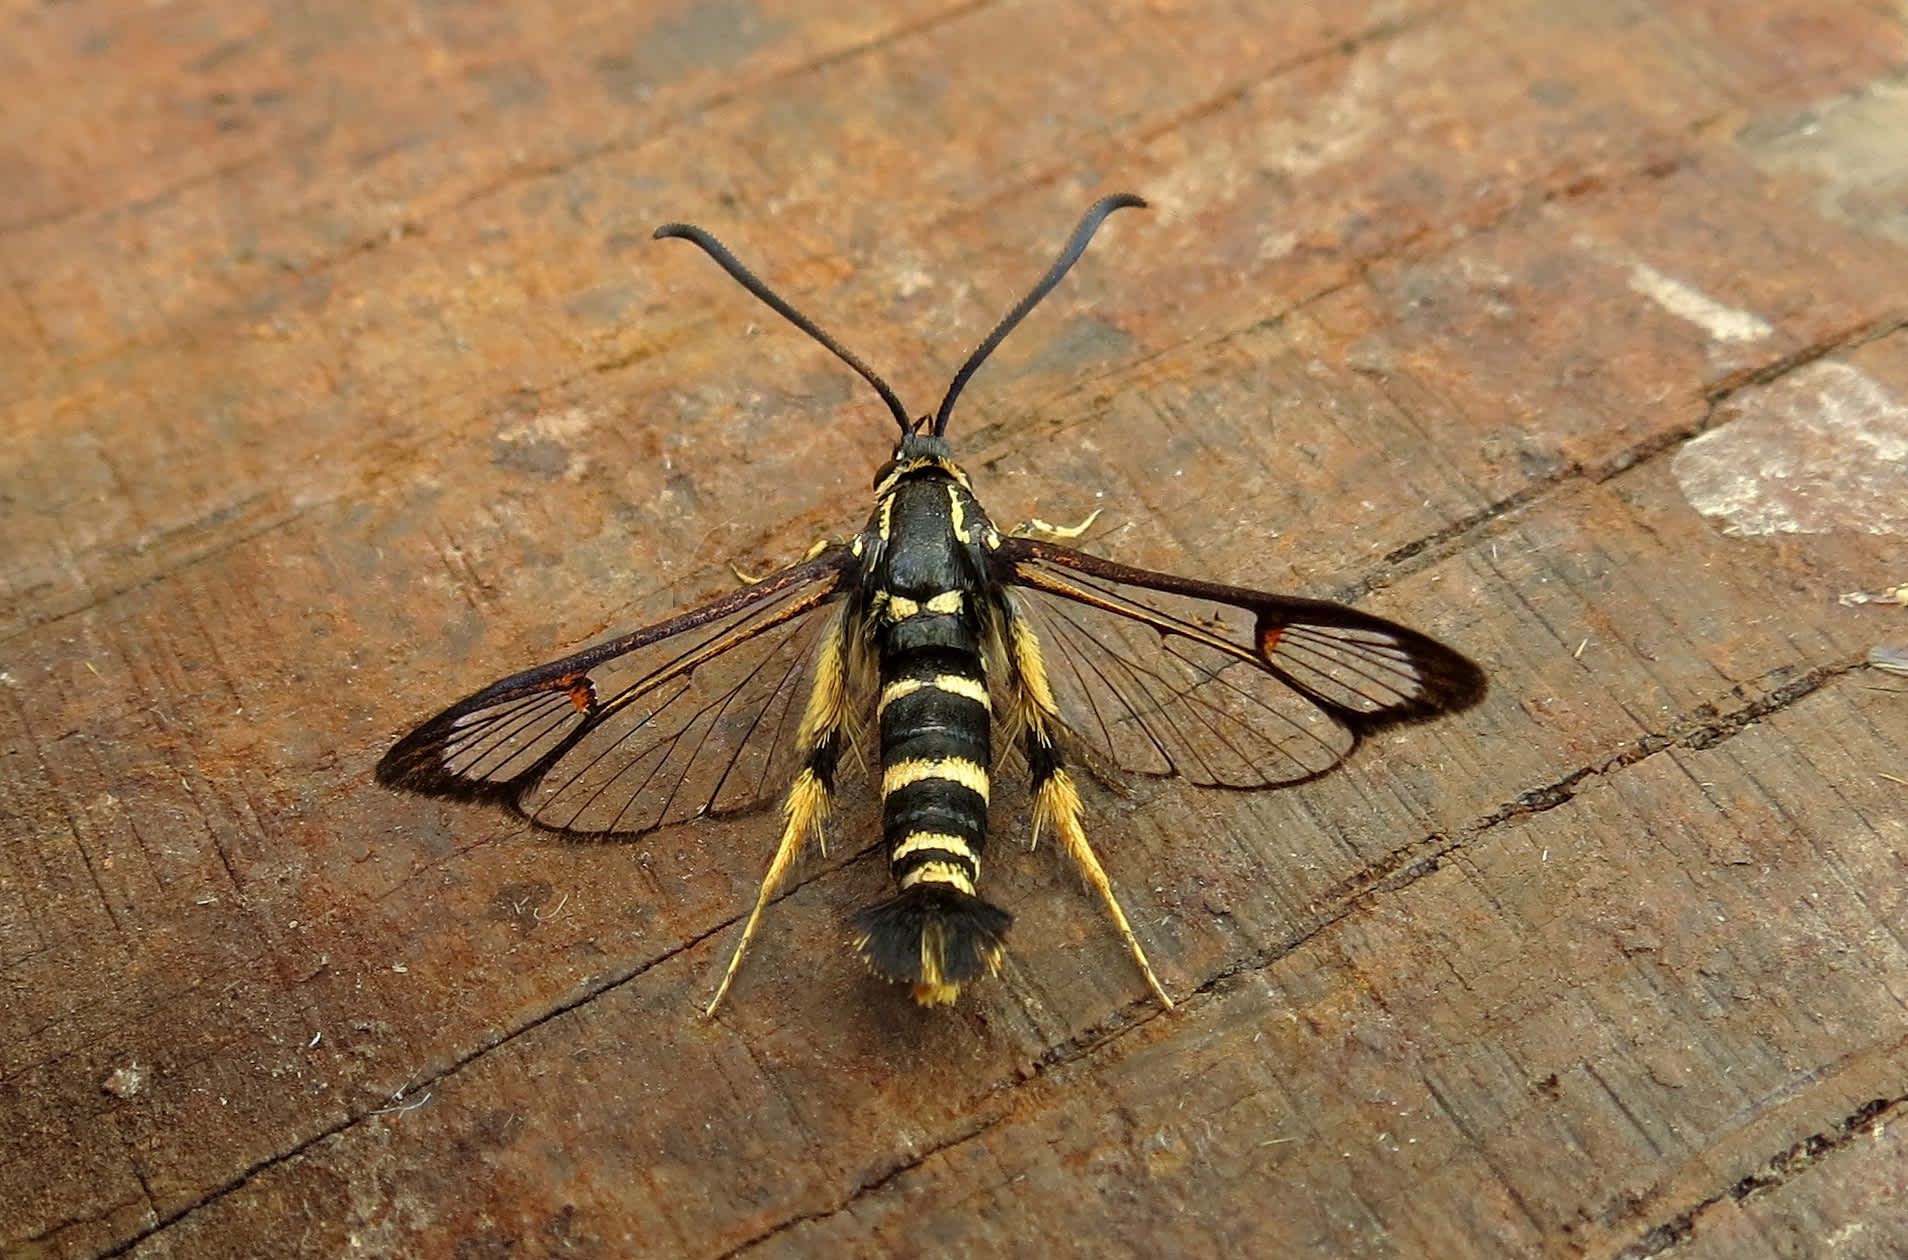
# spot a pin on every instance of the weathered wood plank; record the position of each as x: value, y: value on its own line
x: 348, y: 379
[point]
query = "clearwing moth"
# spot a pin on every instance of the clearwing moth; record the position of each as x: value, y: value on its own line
x: 944, y: 634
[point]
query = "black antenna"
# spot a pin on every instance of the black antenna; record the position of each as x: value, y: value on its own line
x: 1076, y: 245
x: 747, y: 279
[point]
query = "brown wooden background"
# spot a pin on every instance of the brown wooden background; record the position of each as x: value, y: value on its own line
x: 341, y: 377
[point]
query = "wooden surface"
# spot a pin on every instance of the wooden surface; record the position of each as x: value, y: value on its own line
x: 341, y: 377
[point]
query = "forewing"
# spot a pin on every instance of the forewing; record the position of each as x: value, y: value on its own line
x: 694, y: 715
x: 1225, y: 686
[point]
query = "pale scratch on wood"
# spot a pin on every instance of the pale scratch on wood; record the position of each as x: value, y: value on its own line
x: 1819, y: 451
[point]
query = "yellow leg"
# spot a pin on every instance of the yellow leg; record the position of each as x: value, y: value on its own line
x: 1057, y: 805
x: 820, y: 545
x: 802, y: 813
x: 825, y: 718
x: 1035, y: 525
x: 1056, y: 799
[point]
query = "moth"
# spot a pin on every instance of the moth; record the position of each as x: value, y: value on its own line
x: 947, y: 636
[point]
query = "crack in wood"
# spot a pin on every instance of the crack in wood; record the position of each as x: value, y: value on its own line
x: 1853, y: 338
x: 508, y: 179
x: 186, y: 560
x: 1055, y: 1058
x: 1538, y: 192
x: 1717, y: 395
x: 1778, y: 1170
x: 1420, y: 554
x: 429, y: 1083
x: 164, y: 196
x: 1343, y: 48
x: 863, y: 1189
x: 1702, y: 727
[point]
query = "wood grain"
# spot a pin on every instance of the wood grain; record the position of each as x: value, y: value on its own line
x: 341, y: 377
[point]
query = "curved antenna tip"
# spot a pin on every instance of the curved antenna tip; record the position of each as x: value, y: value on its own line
x: 775, y: 302
x: 1076, y: 245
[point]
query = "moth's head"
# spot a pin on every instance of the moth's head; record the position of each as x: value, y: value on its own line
x: 918, y: 451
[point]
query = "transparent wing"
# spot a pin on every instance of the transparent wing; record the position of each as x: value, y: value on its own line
x: 1225, y: 686
x: 694, y: 715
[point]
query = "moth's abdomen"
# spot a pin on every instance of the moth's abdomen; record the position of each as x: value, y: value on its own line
x: 935, y: 753
x: 936, y: 746
x: 933, y: 937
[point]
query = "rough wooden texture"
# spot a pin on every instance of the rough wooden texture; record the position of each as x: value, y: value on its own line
x: 341, y: 377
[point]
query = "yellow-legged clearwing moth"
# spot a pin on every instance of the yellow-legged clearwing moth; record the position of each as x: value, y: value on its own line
x: 943, y: 633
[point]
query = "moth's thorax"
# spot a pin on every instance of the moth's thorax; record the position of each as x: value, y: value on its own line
x: 928, y: 533
x: 928, y: 525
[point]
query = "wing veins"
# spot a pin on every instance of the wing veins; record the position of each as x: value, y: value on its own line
x: 616, y: 745
x: 1323, y: 675
x: 524, y: 742
x: 1202, y: 708
x: 721, y: 706
x: 693, y: 658
x: 1367, y: 662
x: 701, y: 654
x: 1294, y: 730
x: 1424, y: 677
x: 789, y: 705
x: 668, y: 745
x: 498, y: 739
x: 1110, y: 601
x: 1076, y: 654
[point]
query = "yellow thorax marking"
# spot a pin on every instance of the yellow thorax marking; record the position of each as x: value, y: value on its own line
x: 953, y: 470
x: 970, y: 775
x: 957, y: 513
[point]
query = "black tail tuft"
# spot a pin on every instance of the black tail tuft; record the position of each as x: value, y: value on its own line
x: 933, y: 937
